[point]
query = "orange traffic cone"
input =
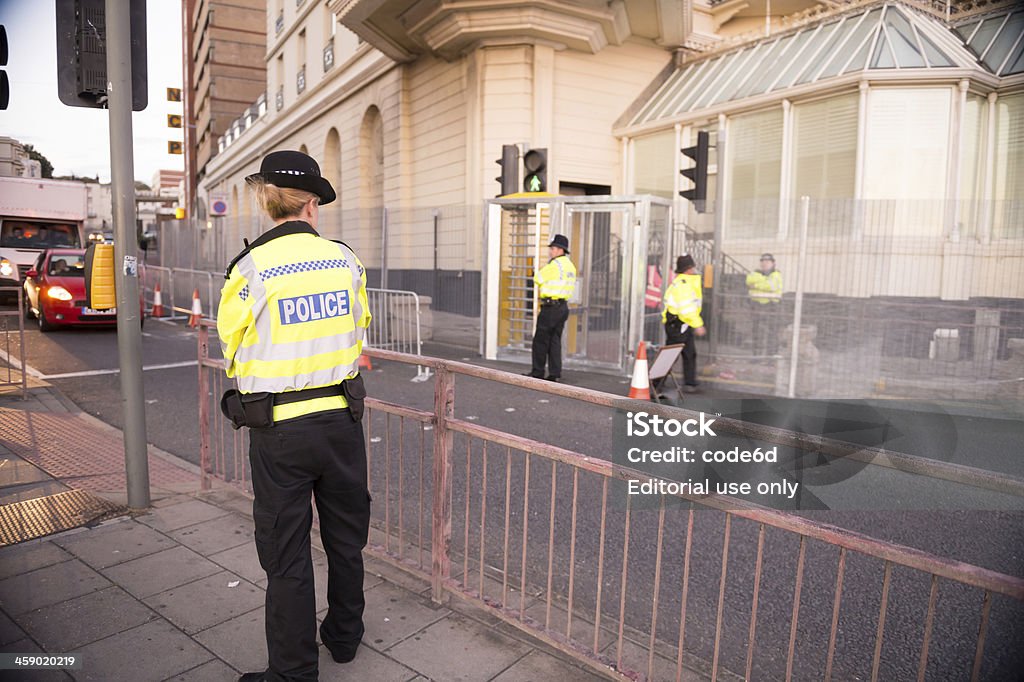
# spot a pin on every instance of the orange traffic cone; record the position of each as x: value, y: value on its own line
x: 197, y: 310
x: 639, y: 387
x: 158, y: 303
x: 364, y: 361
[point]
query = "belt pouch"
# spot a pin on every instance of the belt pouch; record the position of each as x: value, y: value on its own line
x: 231, y: 407
x: 355, y: 394
x: 259, y: 409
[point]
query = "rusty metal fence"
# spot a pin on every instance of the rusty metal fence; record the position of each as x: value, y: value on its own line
x: 12, y: 324
x: 542, y: 538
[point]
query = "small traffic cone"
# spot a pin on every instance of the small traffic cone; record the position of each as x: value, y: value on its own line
x: 364, y: 361
x: 197, y: 310
x: 640, y: 386
x: 158, y: 303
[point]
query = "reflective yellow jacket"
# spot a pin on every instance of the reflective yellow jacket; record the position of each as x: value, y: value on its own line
x: 557, y: 279
x: 293, y: 314
x: 764, y: 288
x: 684, y: 299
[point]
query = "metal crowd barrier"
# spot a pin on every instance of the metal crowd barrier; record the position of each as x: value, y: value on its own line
x: 13, y: 322
x: 177, y: 286
x: 396, y: 324
x: 397, y: 316
x: 500, y: 521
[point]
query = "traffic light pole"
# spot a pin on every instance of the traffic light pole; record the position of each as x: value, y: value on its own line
x: 716, y: 246
x: 122, y: 181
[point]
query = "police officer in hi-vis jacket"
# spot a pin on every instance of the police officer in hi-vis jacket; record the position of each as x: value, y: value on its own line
x: 683, y: 302
x: 555, y: 282
x: 291, y: 321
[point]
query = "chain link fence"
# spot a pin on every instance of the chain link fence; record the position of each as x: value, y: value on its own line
x: 890, y: 298
x: 897, y: 298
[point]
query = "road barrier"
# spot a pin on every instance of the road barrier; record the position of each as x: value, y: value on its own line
x: 397, y: 314
x: 397, y: 317
x: 177, y: 286
x: 13, y: 322
x: 528, y: 531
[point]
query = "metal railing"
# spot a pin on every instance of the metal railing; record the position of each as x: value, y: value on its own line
x: 528, y: 531
x: 13, y: 322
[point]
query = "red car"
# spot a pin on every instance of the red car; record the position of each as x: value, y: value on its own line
x: 55, y: 292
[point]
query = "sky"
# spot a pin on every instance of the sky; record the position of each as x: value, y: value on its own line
x: 76, y: 139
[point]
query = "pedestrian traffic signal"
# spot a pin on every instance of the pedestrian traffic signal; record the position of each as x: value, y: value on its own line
x: 5, y: 83
x: 698, y: 174
x: 179, y: 213
x: 173, y: 94
x: 509, y: 163
x: 173, y: 120
x: 173, y: 147
x: 82, y: 53
x: 536, y: 164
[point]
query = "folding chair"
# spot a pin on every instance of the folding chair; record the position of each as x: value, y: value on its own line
x: 661, y: 369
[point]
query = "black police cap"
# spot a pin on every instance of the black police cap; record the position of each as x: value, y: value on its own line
x: 296, y: 171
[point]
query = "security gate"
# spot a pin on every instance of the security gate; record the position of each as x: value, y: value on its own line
x: 608, y: 240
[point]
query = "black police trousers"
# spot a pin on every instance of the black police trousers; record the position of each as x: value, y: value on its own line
x: 324, y: 454
x: 547, y: 339
x: 674, y: 334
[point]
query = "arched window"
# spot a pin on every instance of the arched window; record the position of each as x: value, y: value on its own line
x: 371, y: 195
x: 331, y: 219
x: 332, y: 160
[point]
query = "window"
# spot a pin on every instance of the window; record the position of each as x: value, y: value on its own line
x: 1009, y: 168
x: 825, y: 148
x: 906, y: 143
x: 755, y: 173
x: 972, y: 149
x: 654, y: 164
x: 905, y: 161
x: 33, y: 235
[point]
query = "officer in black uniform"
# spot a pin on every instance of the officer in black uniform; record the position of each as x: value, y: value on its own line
x: 291, y: 321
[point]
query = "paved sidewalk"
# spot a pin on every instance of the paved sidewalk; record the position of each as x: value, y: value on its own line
x: 177, y: 593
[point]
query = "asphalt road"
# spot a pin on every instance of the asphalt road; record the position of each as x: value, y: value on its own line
x: 961, y: 523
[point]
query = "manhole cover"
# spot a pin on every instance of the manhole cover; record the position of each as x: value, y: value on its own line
x: 43, y: 516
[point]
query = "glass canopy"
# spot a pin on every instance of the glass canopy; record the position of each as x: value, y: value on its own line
x: 997, y: 40
x: 883, y: 36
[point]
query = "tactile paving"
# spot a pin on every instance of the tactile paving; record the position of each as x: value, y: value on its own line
x: 43, y: 516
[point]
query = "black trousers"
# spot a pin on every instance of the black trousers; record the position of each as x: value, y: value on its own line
x: 547, y: 339
x: 674, y: 334
x: 324, y: 454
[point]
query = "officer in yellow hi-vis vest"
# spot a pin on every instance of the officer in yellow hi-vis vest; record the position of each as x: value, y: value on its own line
x: 764, y: 289
x: 292, y: 318
x: 683, y: 302
x: 556, y: 283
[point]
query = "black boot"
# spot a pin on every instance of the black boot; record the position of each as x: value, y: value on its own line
x: 253, y: 677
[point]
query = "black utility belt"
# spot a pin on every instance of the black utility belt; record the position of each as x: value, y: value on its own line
x: 256, y: 410
x: 553, y: 301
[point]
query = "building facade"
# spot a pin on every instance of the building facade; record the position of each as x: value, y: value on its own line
x: 12, y: 158
x: 900, y: 121
x: 224, y: 72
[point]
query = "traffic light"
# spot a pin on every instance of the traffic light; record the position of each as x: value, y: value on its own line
x: 179, y: 213
x: 82, y: 53
x: 509, y: 163
x: 698, y: 174
x: 173, y: 147
x: 536, y: 164
x: 5, y: 83
x: 173, y: 120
